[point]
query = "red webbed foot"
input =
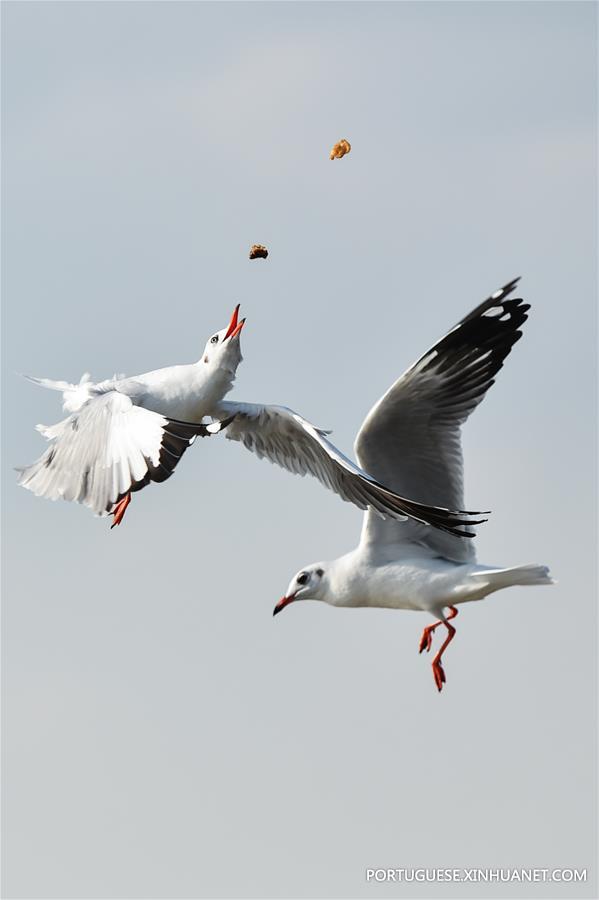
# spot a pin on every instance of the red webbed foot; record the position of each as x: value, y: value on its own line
x: 120, y: 509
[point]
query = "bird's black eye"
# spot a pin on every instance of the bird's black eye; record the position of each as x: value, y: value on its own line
x: 214, y: 340
x: 303, y: 578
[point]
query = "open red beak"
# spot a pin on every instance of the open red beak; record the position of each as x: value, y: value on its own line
x: 234, y: 327
x: 283, y: 602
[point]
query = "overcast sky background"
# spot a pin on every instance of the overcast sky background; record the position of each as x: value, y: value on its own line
x: 164, y: 736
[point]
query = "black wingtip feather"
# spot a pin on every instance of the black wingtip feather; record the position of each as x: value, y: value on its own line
x: 177, y: 436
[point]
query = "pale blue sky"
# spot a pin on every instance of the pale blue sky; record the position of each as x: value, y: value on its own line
x: 163, y: 735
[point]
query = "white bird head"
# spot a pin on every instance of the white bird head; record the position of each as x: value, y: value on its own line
x: 223, y: 349
x: 310, y: 583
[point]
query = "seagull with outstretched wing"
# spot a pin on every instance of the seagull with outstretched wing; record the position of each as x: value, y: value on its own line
x: 411, y: 442
x: 123, y: 433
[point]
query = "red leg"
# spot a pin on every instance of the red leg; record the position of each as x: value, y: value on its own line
x: 427, y: 637
x: 438, y: 673
x: 119, y: 511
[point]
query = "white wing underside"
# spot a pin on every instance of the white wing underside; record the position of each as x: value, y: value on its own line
x: 411, y: 439
x: 105, y: 449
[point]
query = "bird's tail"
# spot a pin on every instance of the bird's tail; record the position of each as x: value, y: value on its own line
x: 73, y: 395
x: 58, y: 385
x: 501, y: 578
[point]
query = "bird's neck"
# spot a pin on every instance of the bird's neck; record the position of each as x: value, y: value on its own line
x: 344, y: 582
x: 218, y: 383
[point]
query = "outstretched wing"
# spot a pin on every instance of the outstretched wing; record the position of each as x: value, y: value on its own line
x: 285, y: 438
x: 105, y: 450
x: 411, y: 438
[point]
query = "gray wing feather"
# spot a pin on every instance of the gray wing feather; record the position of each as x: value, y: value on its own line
x: 411, y: 439
x: 287, y: 439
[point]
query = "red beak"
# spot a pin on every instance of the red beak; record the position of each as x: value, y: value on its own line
x: 283, y: 602
x: 234, y: 327
x: 238, y: 329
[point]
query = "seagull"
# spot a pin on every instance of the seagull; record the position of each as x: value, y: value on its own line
x: 411, y: 441
x: 125, y: 432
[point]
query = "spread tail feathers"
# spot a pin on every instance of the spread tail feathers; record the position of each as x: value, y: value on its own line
x: 529, y: 574
x: 58, y: 385
x: 73, y: 395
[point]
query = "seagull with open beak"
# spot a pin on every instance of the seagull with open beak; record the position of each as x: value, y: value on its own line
x: 126, y: 432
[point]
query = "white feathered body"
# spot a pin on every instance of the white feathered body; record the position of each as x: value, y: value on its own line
x: 185, y: 392
x: 422, y: 582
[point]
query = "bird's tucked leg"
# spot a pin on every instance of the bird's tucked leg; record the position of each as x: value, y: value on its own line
x: 119, y: 511
x: 426, y: 639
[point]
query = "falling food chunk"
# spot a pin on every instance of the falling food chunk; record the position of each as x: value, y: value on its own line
x: 258, y: 252
x: 340, y: 149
